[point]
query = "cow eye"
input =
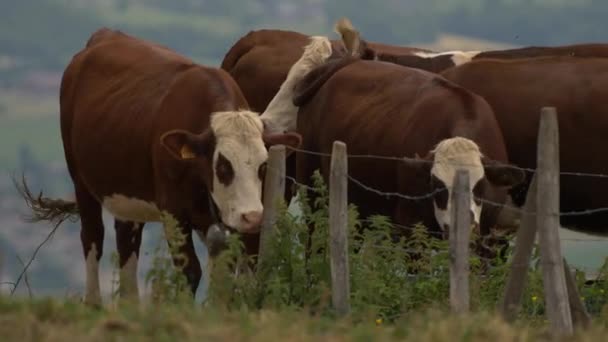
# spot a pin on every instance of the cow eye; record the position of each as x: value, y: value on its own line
x: 478, y: 191
x: 262, y: 171
x: 441, y: 194
x: 224, y: 170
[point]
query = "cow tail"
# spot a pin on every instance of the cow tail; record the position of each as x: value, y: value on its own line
x: 351, y: 38
x: 46, y: 209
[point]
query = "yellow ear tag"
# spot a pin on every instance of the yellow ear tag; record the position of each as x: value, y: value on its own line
x: 186, y: 152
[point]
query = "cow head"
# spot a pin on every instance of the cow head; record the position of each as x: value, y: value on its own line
x: 281, y: 115
x: 439, y: 168
x: 231, y: 159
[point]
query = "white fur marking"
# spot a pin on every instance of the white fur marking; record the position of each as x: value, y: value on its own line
x: 458, y: 57
x: 451, y: 155
x: 239, y: 140
x: 93, y: 294
x: 131, y: 209
x: 281, y: 115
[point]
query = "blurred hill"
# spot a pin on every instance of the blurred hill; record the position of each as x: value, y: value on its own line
x: 43, y: 34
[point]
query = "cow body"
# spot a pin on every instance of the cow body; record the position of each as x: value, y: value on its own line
x: 382, y: 109
x: 438, y: 62
x: 518, y: 89
x: 260, y: 60
x: 145, y: 132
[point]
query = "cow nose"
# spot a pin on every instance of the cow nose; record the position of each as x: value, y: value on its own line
x: 252, y: 221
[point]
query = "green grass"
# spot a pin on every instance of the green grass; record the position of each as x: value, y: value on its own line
x: 68, y: 319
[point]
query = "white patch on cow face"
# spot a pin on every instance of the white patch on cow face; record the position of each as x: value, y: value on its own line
x: 450, y: 155
x: 131, y: 209
x: 239, y: 142
x: 281, y: 115
x: 458, y: 57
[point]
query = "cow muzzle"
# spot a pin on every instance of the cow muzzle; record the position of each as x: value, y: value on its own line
x: 251, y: 222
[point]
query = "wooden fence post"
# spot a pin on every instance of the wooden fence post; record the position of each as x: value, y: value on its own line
x: 338, y: 228
x: 548, y: 223
x: 524, y: 242
x: 459, y: 236
x: 274, y: 188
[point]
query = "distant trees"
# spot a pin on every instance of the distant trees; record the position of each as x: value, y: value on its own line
x: 46, y: 33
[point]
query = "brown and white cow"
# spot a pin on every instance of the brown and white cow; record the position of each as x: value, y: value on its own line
x: 260, y: 60
x: 147, y: 131
x: 440, y: 61
x: 577, y: 87
x: 383, y: 109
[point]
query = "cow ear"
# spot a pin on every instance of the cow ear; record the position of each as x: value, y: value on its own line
x: 503, y: 175
x: 290, y: 139
x: 183, y: 145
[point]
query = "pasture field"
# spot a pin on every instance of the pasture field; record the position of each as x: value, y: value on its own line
x: 68, y: 320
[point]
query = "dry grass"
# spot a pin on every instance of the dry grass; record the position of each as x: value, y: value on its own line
x: 54, y: 320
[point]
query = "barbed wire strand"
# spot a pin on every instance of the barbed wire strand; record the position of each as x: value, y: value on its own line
x: 378, y: 192
x: 424, y: 161
x: 433, y: 193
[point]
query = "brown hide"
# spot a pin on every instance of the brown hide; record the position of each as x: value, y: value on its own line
x: 578, y: 88
x: 575, y: 50
x: 118, y: 97
x: 443, y: 62
x: 382, y: 109
x: 260, y: 60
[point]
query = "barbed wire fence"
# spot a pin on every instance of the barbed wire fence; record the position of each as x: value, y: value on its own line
x: 275, y: 184
x: 540, y: 216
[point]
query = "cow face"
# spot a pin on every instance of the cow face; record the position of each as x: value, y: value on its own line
x: 234, y: 150
x: 281, y: 115
x: 461, y: 153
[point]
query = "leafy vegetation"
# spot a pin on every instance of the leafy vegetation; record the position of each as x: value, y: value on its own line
x: 390, y: 277
x: 399, y: 292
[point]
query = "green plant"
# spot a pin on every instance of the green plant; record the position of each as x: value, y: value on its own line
x: 391, y: 275
x: 166, y: 278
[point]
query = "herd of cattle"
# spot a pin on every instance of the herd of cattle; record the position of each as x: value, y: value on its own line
x: 147, y: 131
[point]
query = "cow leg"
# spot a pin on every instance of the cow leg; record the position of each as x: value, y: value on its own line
x: 128, y: 242
x: 91, y: 236
x: 192, y: 267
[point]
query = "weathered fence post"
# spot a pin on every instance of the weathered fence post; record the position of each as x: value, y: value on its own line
x: 548, y: 223
x: 338, y: 228
x: 524, y: 242
x: 459, y: 236
x: 274, y: 189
